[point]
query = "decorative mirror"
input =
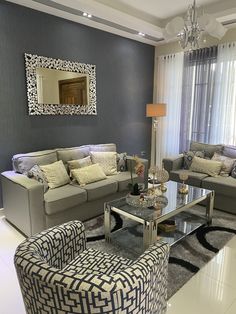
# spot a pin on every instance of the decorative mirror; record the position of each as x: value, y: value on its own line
x: 58, y: 87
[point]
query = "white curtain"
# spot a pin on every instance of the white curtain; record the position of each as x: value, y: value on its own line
x: 223, y: 120
x: 168, y: 90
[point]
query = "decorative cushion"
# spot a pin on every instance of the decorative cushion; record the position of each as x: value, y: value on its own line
x: 72, y: 153
x: 121, y: 160
x: 188, y: 157
x: 107, y: 160
x: 88, y: 174
x: 55, y: 174
x: 79, y: 163
x: 227, y: 163
x: 209, y: 149
x: 36, y: 173
x: 22, y: 163
x: 233, y: 172
x: 210, y: 167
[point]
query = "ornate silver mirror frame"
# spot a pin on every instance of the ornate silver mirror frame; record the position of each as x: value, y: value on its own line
x: 32, y: 62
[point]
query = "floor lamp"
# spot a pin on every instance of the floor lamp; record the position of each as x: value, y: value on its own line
x: 155, y: 111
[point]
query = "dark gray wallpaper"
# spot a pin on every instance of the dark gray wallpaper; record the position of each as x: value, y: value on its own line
x: 124, y: 85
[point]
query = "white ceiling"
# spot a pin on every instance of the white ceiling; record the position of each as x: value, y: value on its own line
x: 128, y: 17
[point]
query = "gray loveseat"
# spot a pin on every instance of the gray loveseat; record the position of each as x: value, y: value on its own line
x: 224, y: 186
x: 31, y: 210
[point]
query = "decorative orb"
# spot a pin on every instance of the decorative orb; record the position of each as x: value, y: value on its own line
x: 183, y: 176
x: 161, y: 202
x: 162, y: 175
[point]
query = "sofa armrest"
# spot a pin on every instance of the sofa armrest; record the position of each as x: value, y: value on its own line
x: 23, y: 202
x: 173, y: 163
x: 145, y: 162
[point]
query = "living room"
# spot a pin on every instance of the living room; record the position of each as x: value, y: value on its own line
x: 127, y: 78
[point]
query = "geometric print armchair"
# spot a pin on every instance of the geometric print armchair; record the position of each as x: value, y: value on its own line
x: 58, y: 275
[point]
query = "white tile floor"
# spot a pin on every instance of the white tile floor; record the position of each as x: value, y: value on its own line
x: 211, y: 291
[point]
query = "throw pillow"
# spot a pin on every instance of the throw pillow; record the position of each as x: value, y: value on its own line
x: 227, y: 163
x: 188, y: 157
x: 79, y: 163
x: 55, y: 174
x: 88, y: 174
x: 121, y: 162
x: 37, y: 174
x: 233, y: 172
x: 107, y: 160
x: 210, y: 167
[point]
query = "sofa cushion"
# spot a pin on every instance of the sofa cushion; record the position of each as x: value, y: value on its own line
x: 55, y: 174
x: 123, y: 179
x: 94, y: 262
x: 209, y: 149
x: 210, y: 167
x: 88, y: 174
x: 194, y: 178
x: 100, y: 189
x: 64, y: 197
x: 72, y: 153
x: 22, y: 163
x: 110, y: 147
x: 79, y: 163
x: 229, y: 151
x: 37, y: 174
x: 121, y: 160
x: 227, y: 163
x: 221, y: 185
x: 107, y: 160
x: 188, y: 157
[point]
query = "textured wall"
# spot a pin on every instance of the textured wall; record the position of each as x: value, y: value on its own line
x: 124, y: 85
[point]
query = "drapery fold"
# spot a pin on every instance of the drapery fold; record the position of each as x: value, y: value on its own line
x: 197, y: 95
x: 223, y: 121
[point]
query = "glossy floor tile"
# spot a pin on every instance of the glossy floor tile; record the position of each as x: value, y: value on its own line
x: 211, y: 291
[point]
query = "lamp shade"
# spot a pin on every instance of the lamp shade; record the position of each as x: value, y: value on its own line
x: 155, y: 110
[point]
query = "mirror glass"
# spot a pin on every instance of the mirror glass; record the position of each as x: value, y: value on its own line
x: 57, y: 87
x: 62, y: 87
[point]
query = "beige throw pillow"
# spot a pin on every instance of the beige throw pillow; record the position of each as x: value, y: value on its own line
x: 79, y: 163
x: 107, y: 160
x: 210, y: 167
x: 227, y: 166
x: 55, y: 174
x: 88, y: 174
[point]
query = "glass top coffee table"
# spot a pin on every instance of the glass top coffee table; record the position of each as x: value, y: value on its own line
x: 143, y: 221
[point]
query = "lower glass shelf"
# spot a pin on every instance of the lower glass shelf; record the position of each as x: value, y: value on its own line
x: 131, y: 236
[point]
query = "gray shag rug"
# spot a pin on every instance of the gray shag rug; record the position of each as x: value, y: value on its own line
x: 186, y: 257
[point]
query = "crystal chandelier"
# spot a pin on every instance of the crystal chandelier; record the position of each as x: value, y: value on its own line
x: 188, y: 30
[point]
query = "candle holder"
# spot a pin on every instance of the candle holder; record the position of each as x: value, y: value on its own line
x: 162, y: 176
x: 184, y: 188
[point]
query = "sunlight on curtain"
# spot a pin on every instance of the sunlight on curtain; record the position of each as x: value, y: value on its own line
x: 169, y: 87
x: 223, y: 120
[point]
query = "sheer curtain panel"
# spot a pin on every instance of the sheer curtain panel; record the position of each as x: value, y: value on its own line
x: 169, y: 87
x: 223, y: 122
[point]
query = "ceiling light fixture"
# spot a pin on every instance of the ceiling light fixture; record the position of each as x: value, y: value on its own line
x: 188, y: 30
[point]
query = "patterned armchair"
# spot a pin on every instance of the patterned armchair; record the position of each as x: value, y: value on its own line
x: 57, y: 274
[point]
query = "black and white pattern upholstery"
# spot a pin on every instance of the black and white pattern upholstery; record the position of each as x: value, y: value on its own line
x: 47, y: 266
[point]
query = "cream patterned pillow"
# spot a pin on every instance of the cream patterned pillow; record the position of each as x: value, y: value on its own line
x: 210, y: 167
x: 55, y: 174
x: 88, y: 174
x: 79, y: 163
x: 228, y: 163
x: 107, y: 160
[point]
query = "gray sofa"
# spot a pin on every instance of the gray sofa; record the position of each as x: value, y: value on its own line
x: 224, y: 187
x: 31, y: 210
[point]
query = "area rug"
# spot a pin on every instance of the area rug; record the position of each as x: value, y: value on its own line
x: 186, y: 257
